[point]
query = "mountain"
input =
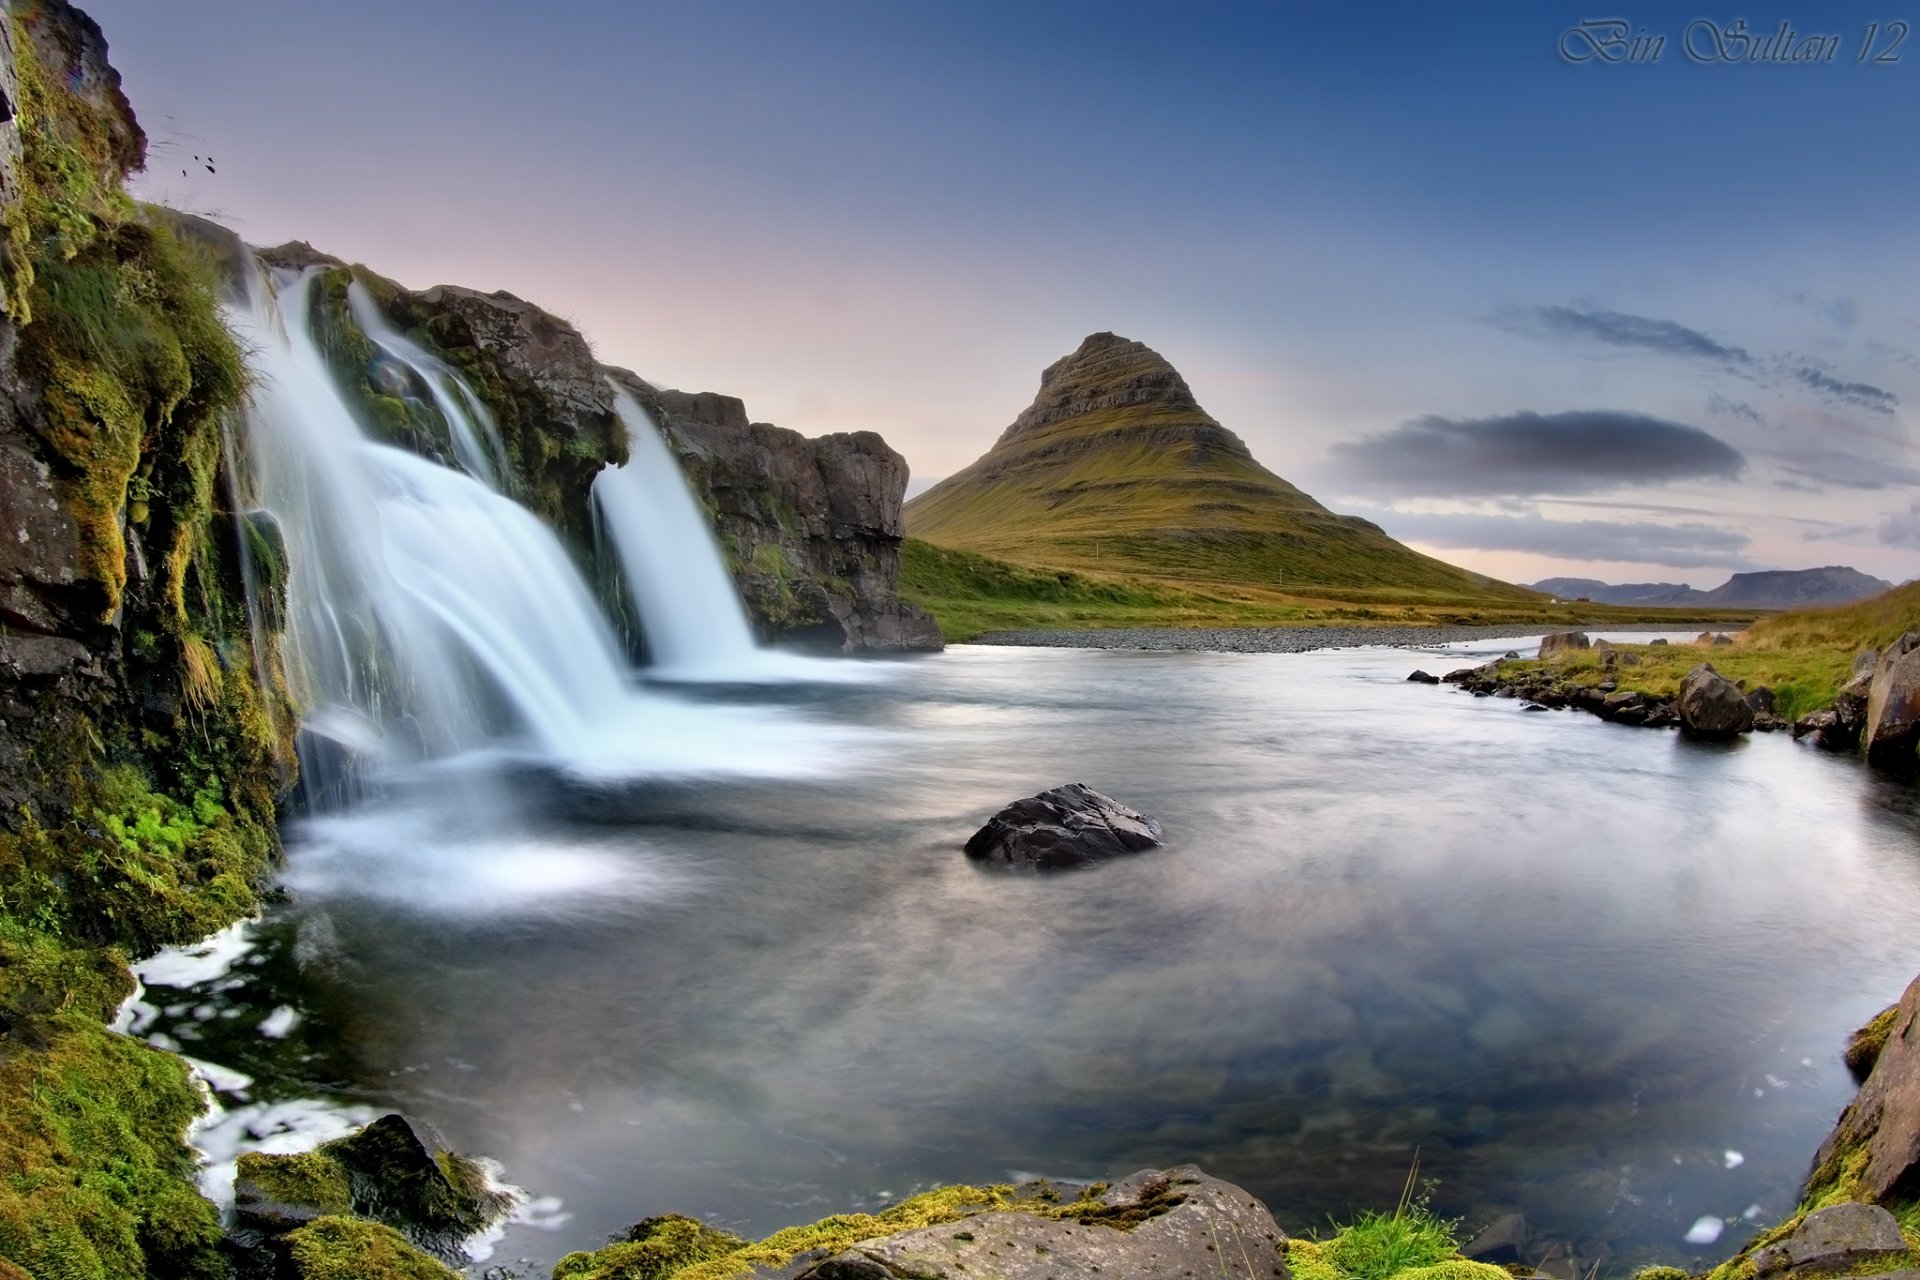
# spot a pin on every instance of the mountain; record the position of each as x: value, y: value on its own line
x: 1656, y: 593
x: 1115, y: 467
x: 1766, y: 589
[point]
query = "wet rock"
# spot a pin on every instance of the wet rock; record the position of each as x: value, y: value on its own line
x: 1892, y: 725
x: 1562, y: 643
x: 1760, y: 698
x: 1070, y: 826
x: 1834, y: 1239
x: 1865, y: 1044
x: 1421, y: 677
x: 385, y: 1173
x: 1177, y: 1223
x: 1501, y: 1243
x: 1710, y: 706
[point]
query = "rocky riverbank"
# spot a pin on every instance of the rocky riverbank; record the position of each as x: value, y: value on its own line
x: 1265, y: 639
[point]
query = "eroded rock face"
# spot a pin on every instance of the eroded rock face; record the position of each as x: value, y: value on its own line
x: 1070, y: 826
x: 1873, y: 1153
x: 1712, y: 706
x: 1197, y: 1226
x: 1892, y: 725
x: 811, y: 527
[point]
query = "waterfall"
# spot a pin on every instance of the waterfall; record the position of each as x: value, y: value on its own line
x: 470, y: 425
x: 689, y: 608
x: 425, y: 611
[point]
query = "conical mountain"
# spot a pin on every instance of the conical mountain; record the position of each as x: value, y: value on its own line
x: 1115, y: 467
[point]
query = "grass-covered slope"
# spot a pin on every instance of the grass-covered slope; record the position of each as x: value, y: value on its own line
x: 972, y: 594
x: 1115, y: 468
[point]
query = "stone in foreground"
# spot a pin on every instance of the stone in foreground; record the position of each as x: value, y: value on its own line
x: 1070, y: 826
x: 1193, y: 1225
x: 1837, y: 1238
x: 1424, y: 677
x: 1712, y: 706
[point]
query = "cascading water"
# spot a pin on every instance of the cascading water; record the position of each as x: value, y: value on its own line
x: 689, y: 608
x: 695, y: 625
x: 474, y: 434
x: 429, y: 616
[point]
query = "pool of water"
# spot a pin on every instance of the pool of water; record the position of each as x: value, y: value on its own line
x: 1597, y: 975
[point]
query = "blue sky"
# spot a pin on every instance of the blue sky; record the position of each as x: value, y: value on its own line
x: 1363, y: 233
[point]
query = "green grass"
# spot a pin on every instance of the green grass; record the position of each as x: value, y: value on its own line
x: 1802, y: 680
x: 971, y: 594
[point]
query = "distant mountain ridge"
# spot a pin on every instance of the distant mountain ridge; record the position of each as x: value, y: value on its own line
x: 1764, y: 589
x: 1116, y: 468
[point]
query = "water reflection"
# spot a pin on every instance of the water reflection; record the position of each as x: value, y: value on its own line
x: 1577, y: 966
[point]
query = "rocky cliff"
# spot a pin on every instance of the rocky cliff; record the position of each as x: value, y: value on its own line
x: 1115, y: 467
x: 811, y: 528
x: 144, y: 732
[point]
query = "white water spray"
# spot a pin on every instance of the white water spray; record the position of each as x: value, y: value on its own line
x: 474, y: 434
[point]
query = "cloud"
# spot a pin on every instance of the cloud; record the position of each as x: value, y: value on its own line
x: 1737, y: 410
x: 1528, y: 454
x: 1843, y: 311
x: 1902, y: 528
x: 1844, y: 470
x: 1619, y: 329
x: 1680, y: 546
x: 1851, y: 395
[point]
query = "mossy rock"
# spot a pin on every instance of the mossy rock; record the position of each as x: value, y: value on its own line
x: 351, y: 1249
x: 1864, y: 1046
x: 652, y: 1250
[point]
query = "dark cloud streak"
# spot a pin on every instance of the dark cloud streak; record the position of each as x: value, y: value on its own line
x: 1620, y: 329
x: 1533, y: 454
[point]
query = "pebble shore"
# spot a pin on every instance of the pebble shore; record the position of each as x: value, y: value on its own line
x: 1279, y: 639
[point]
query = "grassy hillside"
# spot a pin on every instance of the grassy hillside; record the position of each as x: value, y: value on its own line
x: 971, y: 594
x: 1872, y: 623
x: 1115, y: 469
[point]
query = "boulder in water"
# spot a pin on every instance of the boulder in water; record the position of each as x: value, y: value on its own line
x: 1422, y: 677
x: 1069, y: 826
x: 1712, y: 706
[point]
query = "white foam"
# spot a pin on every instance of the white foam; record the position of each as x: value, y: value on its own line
x: 1734, y: 1159
x: 199, y: 962
x: 277, y: 1024
x: 1705, y: 1230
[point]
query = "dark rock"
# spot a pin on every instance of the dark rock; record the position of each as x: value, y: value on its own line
x: 1608, y: 685
x: 1562, y: 643
x: 1892, y: 726
x: 1865, y: 661
x: 1501, y: 1243
x: 1177, y: 1223
x: 1069, y: 826
x: 1710, y: 706
x: 1628, y: 658
x: 1660, y: 640
x: 812, y: 528
x: 1535, y: 706
x: 1510, y: 655
x: 1421, y: 677
x: 1865, y: 1044
x: 1710, y: 638
x: 1836, y: 1238
x: 1760, y: 698
x: 383, y: 1172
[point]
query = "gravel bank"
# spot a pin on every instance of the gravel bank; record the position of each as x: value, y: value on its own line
x: 1279, y: 639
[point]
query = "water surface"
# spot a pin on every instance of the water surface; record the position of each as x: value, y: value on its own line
x: 1595, y: 974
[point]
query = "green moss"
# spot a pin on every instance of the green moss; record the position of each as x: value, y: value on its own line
x: 652, y: 1250
x: 350, y: 1249
x: 1660, y: 1273
x: 95, y: 1180
x: 1864, y: 1046
x: 308, y: 1179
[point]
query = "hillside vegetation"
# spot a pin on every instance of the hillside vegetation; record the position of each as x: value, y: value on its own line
x: 972, y: 594
x: 1116, y: 469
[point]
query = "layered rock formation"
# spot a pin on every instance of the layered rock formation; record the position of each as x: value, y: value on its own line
x: 811, y: 527
x: 1116, y: 467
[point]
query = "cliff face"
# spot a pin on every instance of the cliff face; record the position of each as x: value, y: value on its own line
x: 1115, y: 467
x: 144, y: 733
x: 811, y: 527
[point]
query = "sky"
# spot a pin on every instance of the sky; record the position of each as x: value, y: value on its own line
x: 1531, y: 300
